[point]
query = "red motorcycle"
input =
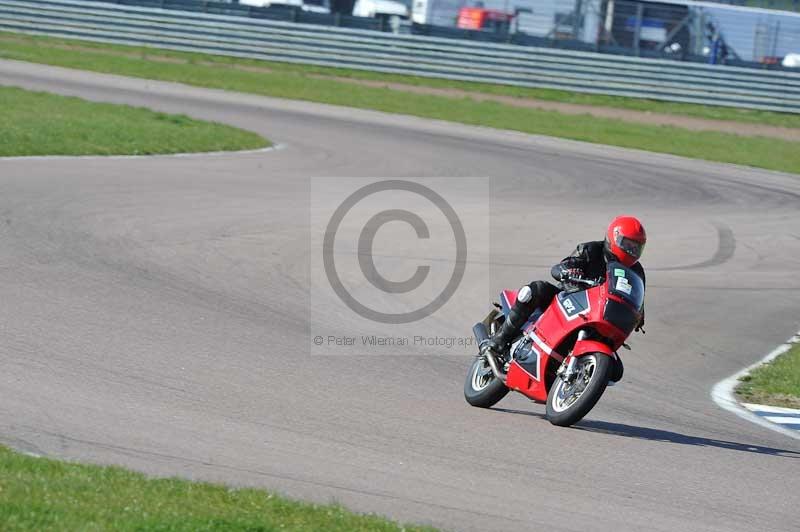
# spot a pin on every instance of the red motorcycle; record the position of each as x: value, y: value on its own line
x: 566, y: 355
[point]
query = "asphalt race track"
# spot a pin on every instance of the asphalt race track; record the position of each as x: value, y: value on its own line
x: 155, y: 314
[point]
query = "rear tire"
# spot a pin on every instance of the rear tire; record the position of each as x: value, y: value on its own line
x: 562, y: 409
x: 481, y: 387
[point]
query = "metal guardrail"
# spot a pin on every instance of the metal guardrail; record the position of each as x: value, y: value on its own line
x: 405, y: 54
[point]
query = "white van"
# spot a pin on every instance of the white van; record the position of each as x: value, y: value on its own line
x: 380, y: 8
x: 312, y: 6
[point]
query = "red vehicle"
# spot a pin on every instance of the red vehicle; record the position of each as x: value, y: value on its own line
x: 478, y: 18
x: 566, y: 355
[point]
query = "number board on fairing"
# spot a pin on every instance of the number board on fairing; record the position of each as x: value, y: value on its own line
x: 573, y: 303
x: 626, y: 284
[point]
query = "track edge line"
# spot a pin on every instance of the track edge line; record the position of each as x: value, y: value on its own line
x: 274, y: 147
x: 722, y: 392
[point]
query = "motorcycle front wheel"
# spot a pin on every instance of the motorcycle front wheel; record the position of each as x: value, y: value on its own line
x: 567, y: 403
x: 481, y: 387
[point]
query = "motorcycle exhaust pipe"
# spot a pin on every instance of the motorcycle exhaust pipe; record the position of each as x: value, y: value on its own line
x: 482, y: 335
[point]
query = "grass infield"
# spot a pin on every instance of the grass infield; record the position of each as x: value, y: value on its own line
x: 39, y: 494
x: 776, y: 383
x: 38, y: 123
x: 305, y: 83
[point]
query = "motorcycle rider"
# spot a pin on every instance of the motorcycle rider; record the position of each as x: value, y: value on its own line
x: 624, y: 243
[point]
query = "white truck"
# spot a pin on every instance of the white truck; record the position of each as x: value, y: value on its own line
x: 437, y: 12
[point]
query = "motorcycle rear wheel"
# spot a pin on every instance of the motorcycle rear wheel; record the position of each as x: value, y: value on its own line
x: 481, y: 387
x: 568, y: 403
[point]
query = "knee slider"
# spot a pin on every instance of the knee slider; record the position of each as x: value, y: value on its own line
x: 525, y: 294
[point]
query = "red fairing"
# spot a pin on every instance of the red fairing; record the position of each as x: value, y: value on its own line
x: 555, y: 325
x: 521, y: 381
x: 510, y: 297
x: 527, y: 384
x: 591, y: 346
x: 567, y: 315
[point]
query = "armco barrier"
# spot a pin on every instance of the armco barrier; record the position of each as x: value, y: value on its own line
x: 405, y: 54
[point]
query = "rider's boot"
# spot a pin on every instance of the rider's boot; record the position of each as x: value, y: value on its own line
x: 498, y: 343
x: 500, y: 340
x: 528, y: 299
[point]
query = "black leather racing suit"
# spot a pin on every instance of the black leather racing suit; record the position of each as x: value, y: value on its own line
x: 589, y: 261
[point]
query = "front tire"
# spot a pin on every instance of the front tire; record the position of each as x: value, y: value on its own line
x: 481, y: 387
x: 567, y: 403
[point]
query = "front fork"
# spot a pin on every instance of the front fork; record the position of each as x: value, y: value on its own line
x: 567, y: 369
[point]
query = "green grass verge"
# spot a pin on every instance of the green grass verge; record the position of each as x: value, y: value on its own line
x: 39, y: 494
x: 787, y: 5
x: 37, y: 123
x: 299, y: 83
x: 776, y: 383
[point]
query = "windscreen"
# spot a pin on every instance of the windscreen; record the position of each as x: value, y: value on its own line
x: 625, y: 283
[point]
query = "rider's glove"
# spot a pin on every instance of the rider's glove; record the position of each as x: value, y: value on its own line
x: 570, y: 273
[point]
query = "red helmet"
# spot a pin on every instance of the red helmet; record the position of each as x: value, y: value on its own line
x: 625, y: 239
